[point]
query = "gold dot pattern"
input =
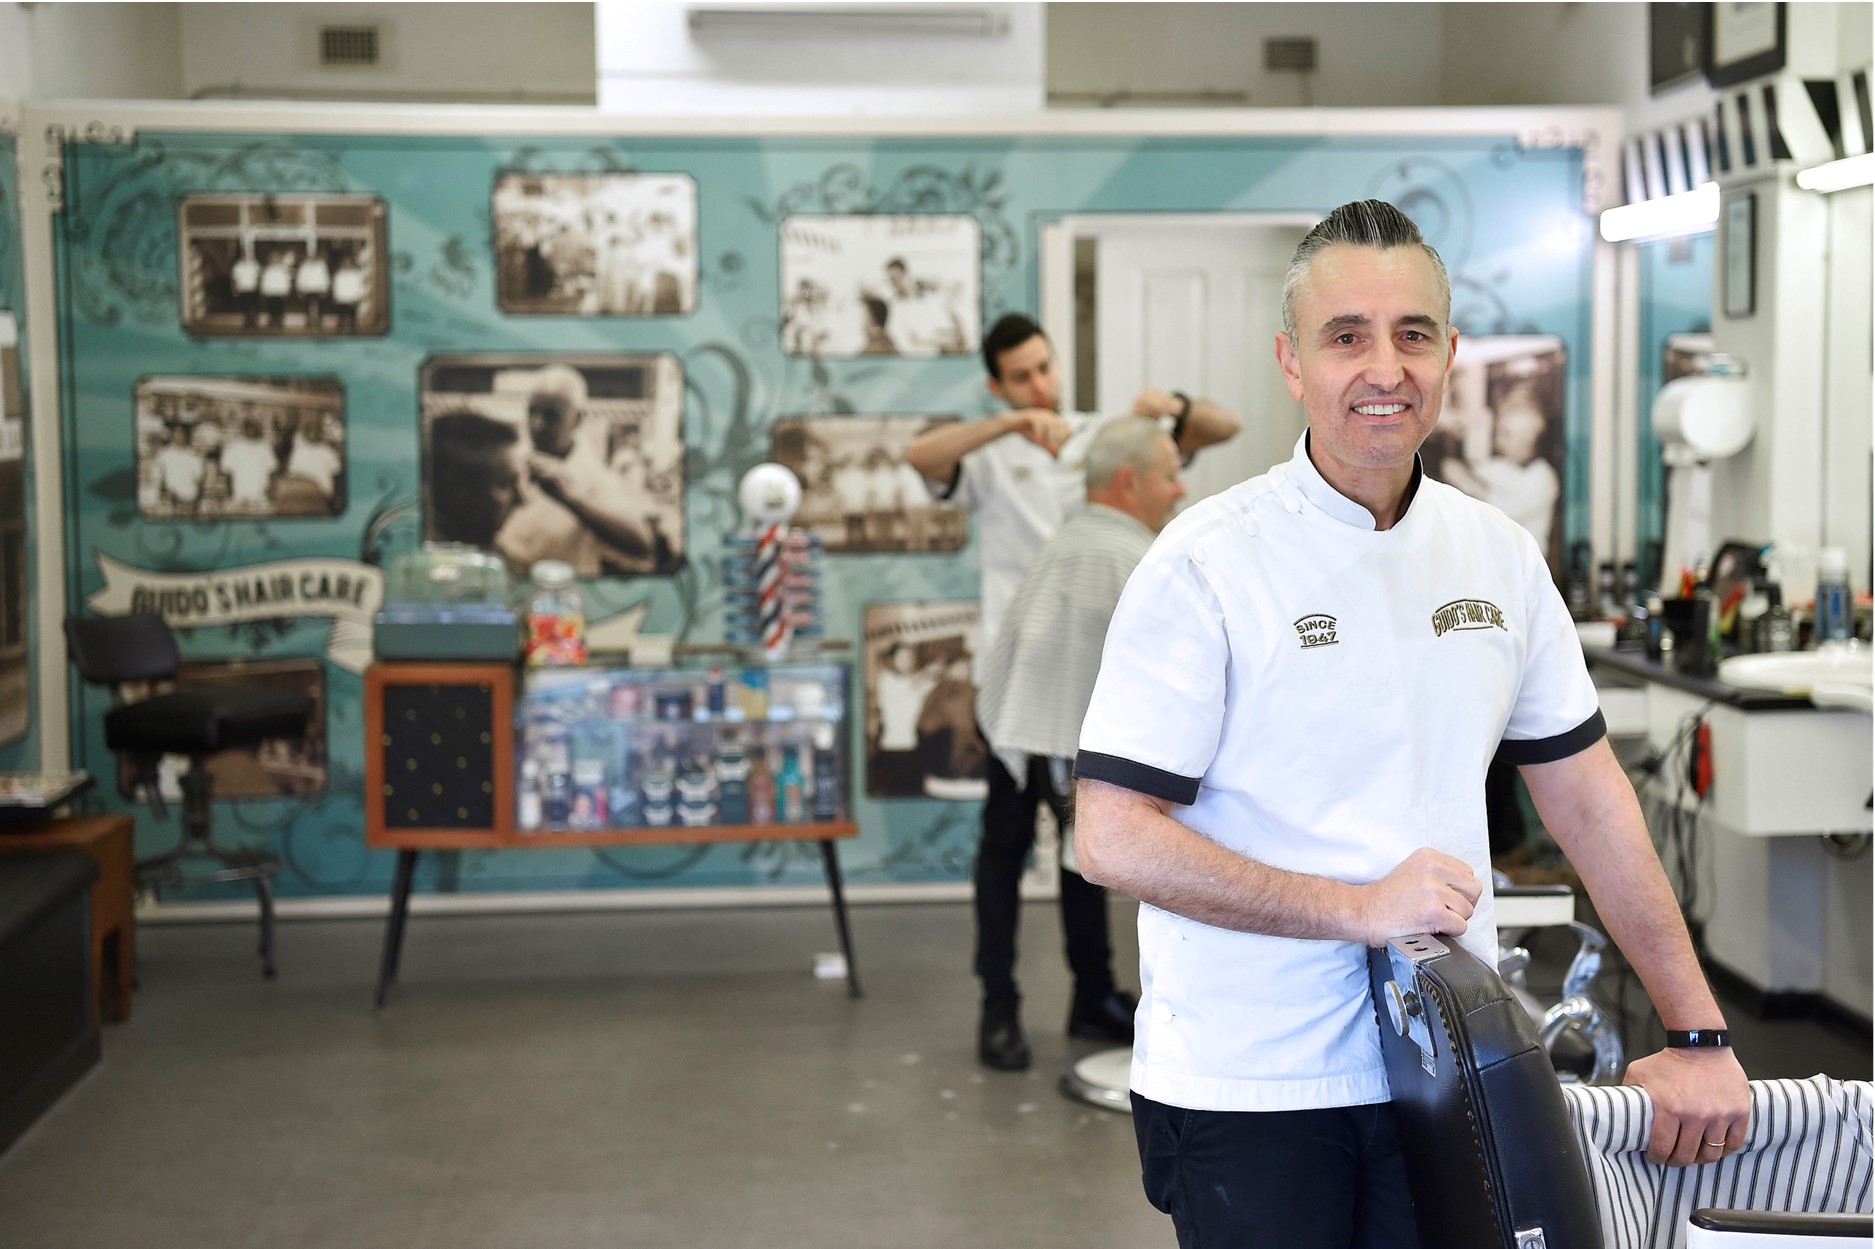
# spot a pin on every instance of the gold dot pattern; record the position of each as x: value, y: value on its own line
x: 439, y: 738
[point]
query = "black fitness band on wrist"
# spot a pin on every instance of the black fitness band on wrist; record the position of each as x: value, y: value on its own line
x: 1699, y: 1039
x: 1184, y: 410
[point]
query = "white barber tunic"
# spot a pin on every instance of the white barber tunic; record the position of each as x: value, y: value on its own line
x: 1021, y: 495
x: 1322, y: 697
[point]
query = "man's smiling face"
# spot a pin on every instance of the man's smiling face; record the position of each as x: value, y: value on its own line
x: 1372, y: 349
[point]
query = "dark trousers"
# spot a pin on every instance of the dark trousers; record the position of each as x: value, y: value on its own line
x: 1008, y: 837
x: 1293, y: 1179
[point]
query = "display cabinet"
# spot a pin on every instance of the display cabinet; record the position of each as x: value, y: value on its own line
x: 707, y: 751
x: 485, y: 756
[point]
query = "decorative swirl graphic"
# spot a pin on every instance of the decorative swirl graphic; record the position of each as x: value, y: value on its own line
x: 772, y: 859
x: 621, y: 861
x: 725, y: 277
x: 122, y: 232
x: 451, y: 274
x: 596, y: 159
x: 1434, y: 195
x: 919, y: 190
x: 947, y: 844
x: 1478, y: 308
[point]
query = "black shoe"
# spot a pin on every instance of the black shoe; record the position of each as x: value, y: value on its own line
x: 1108, y: 1018
x: 1000, y: 1043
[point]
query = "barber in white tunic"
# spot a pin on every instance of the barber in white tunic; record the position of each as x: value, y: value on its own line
x: 1020, y: 473
x: 1284, y: 760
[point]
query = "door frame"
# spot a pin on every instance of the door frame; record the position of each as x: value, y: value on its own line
x: 1056, y: 254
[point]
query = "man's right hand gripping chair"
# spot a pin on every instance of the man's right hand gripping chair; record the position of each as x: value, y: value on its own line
x: 195, y: 722
x: 1499, y: 1158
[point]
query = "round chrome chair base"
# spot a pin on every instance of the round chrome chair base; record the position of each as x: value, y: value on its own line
x: 1101, y: 1079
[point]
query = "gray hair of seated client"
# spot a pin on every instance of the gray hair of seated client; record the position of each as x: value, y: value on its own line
x: 1125, y: 440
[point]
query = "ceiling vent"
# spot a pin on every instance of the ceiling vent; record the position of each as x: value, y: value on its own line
x: 1290, y: 54
x: 350, y: 45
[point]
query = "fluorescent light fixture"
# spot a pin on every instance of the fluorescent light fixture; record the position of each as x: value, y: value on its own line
x: 834, y: 21
x: 1838, y: 175
x: 1689, y: 212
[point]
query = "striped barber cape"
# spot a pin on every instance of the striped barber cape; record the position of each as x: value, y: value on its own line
x: 1810, y: 1148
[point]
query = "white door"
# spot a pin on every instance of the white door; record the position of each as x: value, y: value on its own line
x: 1195, y: 306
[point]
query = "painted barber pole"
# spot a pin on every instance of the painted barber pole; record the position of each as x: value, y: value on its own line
x: 771, y: 566
x: 771, y: 576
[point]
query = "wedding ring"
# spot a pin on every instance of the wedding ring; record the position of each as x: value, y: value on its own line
x: 1714, y: 1144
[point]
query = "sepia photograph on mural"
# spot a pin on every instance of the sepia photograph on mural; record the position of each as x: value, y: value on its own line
x: 15, y: 702
x: 857, y: 492
x: 284, y: 265
x: 288, y: 767
x: 218, y: 448
x: 881, y: 285
x: 596, y: 244
x: 1500, y: 432
x: 577, y: 458
x: 921, y: 734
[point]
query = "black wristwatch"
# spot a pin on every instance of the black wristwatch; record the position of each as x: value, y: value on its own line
x: 1699, y: 1039
x: 1184, y: 410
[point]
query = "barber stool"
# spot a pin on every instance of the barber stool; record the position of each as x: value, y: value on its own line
x: 1491, y: 1155
x: 1102, y: 1079
x: 196, y: 723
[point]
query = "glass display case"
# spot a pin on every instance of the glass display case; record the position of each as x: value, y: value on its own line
x: 698, y: 746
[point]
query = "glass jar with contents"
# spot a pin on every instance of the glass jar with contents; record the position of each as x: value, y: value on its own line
x: 556, y: 616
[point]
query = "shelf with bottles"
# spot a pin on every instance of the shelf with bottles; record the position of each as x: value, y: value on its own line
x: 705, y: 753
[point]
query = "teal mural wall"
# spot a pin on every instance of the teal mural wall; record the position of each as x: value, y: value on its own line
x: 19, y: 677
x: 1507, y: 220
x: 1675, y: 298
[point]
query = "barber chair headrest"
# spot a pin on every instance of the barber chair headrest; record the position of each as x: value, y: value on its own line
x: 1490, y: 1154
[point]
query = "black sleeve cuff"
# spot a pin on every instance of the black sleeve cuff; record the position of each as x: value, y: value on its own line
x: 950, y: 487
x: 1561, y: 746
x: 1169, y: 786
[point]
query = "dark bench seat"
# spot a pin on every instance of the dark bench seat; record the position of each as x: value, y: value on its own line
x: 48, y: 1029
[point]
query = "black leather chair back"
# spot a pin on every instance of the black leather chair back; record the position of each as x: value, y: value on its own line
x: 109, y: 650
x: 1490, y: 1154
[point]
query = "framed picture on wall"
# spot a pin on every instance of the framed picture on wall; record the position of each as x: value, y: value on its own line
x: 1739, y: 235
x: 240, y: 448
x: 857, y: 491
x: 284, y: 266
x: 1500, y: 435
x: 568, y: 457
x: 14, y: 703
x: 880, y: 285
x: 1677, y: 37
x: 596, y: 244
x: 921, y: 736
x: 1747, y: 41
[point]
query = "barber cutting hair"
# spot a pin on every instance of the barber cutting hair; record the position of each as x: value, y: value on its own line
x: 1021, y: 473
x: 1284, y: 760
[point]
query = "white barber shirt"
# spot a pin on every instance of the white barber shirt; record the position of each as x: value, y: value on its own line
x: 1324, y: 698
x: 1020, y: 495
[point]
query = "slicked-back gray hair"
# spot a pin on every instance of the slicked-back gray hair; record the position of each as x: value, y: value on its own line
x: 1123, y: 441
x: 1364, y: 223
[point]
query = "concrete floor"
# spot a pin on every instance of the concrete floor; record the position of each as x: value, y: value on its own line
x: 641, y: 1079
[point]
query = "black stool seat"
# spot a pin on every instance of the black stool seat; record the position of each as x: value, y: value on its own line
x: 203, y: 720
x: 197, y: 721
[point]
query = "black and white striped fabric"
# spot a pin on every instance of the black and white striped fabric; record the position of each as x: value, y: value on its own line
x: 1810, y: 1148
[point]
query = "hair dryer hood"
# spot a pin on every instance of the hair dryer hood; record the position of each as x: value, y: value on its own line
x: 1709, y: 416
